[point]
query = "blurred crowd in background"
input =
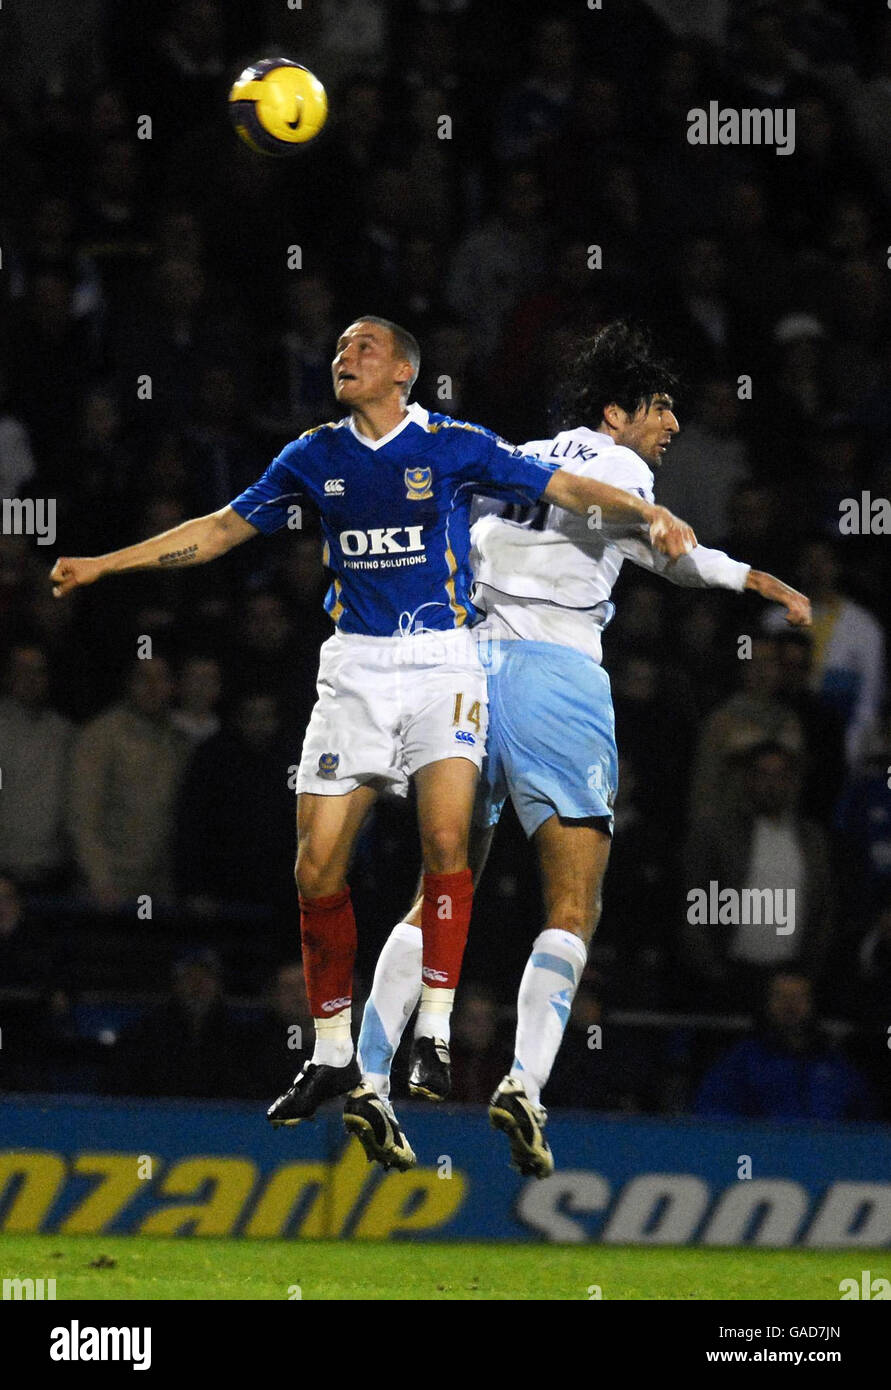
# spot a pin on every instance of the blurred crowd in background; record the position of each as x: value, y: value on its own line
x: 147, y: 805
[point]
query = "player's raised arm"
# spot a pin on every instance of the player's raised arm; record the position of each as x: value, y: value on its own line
x: 797, y: 606
x: 587, y: 497
x: 704, y: 568
x: 195, y: 542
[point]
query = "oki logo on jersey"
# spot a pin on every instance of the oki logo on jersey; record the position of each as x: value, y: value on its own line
x: 328, y: 764
x: 382, y: 540
x: 418, y: 484
x: 334, y: 487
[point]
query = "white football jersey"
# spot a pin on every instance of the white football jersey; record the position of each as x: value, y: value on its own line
x: 551, y: 580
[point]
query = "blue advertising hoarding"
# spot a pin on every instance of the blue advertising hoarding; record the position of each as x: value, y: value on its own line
x: 83, y: 1165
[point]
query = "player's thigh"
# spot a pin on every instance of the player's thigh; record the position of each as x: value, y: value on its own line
x: 327, y: 829
x: 572, y: 856
x: 446, y: 791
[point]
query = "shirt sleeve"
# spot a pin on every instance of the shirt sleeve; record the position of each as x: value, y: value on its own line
x: 701, y: 569
x: 267, y: 503
x: 499, y: 469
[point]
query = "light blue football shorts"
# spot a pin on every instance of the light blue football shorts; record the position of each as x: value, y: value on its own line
x: 552, y: 742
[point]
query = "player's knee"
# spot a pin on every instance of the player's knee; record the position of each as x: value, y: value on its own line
x: 596, y: 911
x: 579, y: 918
x: 444, y: 848
x: 315, y: 878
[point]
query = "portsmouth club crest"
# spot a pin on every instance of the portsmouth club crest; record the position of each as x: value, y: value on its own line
x: 328, y: 764
x: 418, y: 484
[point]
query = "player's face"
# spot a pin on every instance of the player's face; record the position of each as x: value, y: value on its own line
x: 651, y: 430
x: 366, y: 367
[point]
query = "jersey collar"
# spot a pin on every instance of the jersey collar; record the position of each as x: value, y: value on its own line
x: 603, y: 441
x: 414, y: 415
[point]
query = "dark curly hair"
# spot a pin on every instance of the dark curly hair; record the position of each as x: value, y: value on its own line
x: 615, y: 366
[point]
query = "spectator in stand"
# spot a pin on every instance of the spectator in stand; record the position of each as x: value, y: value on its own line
x: 235, y: 818
x: 497, y: 262
x: 864, y: 824
x: 265, y: 653
x: 22, y: 954
x: 191, y: 1045
x: 871, y: 983
x: 49, y: 369
x: 531, y: 114
x: 284, y: 1032
x: 755, y: 528
x: 656, y: 733
x: 788, y: 1070
x: 183, y: 73
x: 639, y: 889
x: 352, y: 37
x: 127, y: 768
x: 477, y: 1056
x: 16, y: 460
x: 35, y: 748
x: 702, y: 313
x: 102, y: 463
x: 709, y: 461
x: 200, y: 687
x: 849, y: 646
x: 296, y: 375
x: 748, y: 718
x: 823, y: 765
x: 600, y: 1066
x: 222, y: 455
x: 759, y: 845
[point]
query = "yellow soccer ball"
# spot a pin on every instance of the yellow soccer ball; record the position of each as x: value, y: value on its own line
x: 277, y: 105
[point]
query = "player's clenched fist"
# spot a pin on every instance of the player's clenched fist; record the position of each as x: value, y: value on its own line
x: 671, y: 535
x: 67, y: 574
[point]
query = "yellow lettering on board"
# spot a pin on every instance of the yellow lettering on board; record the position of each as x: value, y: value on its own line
x: 395, y: 1205
x: 281, y: 1194
x: 233, y: 1180
x: 43, y: 1174
x: 334, y: 1202
x: 338, y: 1187
x: 120, y: 1174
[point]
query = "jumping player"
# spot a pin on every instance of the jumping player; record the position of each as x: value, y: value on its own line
x: 545, y: 588
x: 401, y: 692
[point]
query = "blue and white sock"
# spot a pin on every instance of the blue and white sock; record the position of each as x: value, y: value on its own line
x: 547, y: 990
x: 394, y: 994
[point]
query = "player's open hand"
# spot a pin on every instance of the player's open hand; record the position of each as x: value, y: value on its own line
x: 67, y: 574
x: 670, y: 535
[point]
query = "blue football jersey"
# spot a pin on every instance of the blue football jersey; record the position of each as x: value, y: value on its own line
x: 395, y: 514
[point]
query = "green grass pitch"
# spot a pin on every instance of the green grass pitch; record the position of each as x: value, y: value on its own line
x: 141, y: 1267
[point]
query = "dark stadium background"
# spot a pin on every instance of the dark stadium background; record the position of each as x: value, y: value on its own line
x: 170, y: 257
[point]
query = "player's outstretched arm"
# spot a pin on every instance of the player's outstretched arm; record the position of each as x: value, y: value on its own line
x: 797, y: 606
x: 193, y: 543
x: 587, y: 497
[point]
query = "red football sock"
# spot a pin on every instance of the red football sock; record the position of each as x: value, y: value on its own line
x: 445, y: 920
x: 328, y: 933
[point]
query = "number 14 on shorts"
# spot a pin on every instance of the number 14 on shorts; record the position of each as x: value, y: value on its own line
x: 472, y: 716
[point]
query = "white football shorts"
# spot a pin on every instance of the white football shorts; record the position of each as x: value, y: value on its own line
x: 387, y: 706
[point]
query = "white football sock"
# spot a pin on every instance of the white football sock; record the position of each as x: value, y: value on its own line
x: 435, y: 1013
x: 394, y: 994
x: 547, y: 989
x: 334, y: 1040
